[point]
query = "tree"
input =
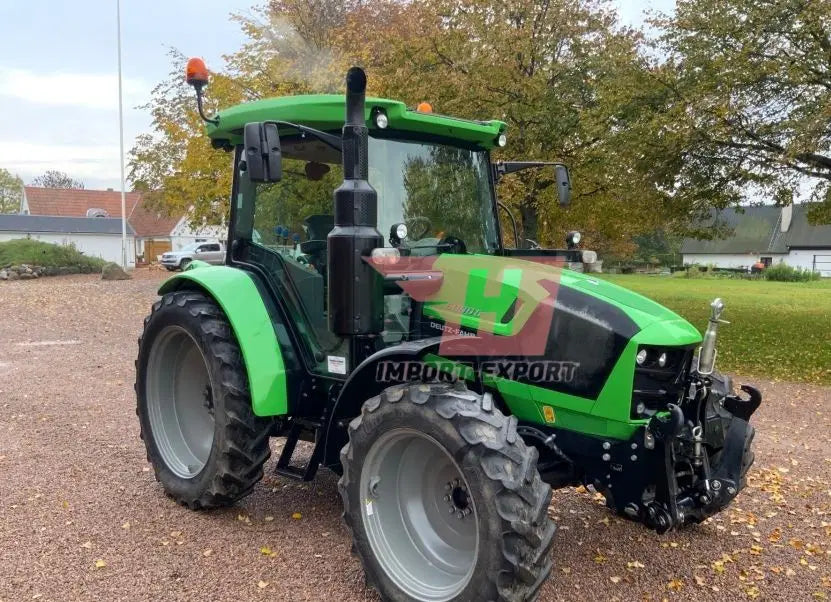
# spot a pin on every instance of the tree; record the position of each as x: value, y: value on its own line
x: 572, y: 85
x: 569, y: 81
x: 57, y: 179
x: 11, y: 192
x: 750, y: 81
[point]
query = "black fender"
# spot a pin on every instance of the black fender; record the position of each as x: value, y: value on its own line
x: 361, y: 385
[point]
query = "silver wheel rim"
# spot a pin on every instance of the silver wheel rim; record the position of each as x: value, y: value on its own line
x: 419, y: 517
x: 180, y: 402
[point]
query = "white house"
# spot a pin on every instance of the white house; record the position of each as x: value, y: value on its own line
x: 765, y: 233
x: 155, y: 232
x: 93, y: 236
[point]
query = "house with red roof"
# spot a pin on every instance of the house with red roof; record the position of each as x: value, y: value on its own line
x: 155, y: 232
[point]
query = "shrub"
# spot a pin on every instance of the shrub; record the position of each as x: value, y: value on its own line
x: 35, y: 252
x: 782, y: 272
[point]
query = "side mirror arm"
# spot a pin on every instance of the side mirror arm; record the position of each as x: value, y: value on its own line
x: 503, y: 206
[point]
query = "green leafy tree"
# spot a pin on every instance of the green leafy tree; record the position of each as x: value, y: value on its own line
x: 11, y: 192
x: 749, y: 83
x: 57, y: 179
x: 572, y: 85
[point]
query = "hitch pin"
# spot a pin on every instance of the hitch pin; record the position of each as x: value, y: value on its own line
x: 698, y: 436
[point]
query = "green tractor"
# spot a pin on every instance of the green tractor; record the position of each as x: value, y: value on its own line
x: 451, y: 381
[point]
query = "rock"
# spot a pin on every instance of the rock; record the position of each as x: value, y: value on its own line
x: 26, y: 276
x: 13, y: 275
x: 4, y: 275
x: 113, y: 271
x: 51, y: 271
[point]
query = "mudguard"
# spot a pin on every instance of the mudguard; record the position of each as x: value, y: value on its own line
x: 237, y: 295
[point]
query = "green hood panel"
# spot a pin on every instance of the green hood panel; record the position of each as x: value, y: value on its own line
x: 240, y: 299
x: 642, y: 310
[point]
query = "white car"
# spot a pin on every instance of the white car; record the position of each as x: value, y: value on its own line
x: 210, y: 252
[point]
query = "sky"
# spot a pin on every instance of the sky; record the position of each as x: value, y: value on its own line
x: 59, y: 82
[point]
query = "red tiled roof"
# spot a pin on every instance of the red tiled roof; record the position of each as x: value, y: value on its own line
x: 69, y: 202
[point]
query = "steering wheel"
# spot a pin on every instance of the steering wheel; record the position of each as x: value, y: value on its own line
x: 453, y: 244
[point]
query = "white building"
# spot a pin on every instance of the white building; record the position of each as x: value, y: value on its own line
x: 764, y: 234
x: 155, y: 232
x: 93, y: 236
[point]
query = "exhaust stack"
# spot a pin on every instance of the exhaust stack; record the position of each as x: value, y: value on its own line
x: 356, y: 295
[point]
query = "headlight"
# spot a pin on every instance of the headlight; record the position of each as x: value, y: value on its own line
x: 381, y: 120
x: 502, y: 140
x: 660, y: 378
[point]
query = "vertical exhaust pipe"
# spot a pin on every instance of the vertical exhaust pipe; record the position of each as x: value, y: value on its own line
x: 356, y: 296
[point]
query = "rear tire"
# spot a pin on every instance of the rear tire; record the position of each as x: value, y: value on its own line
x: 206, y: 445
x: 483, y: 535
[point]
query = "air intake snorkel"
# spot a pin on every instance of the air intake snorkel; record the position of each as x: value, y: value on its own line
x: 707, y: 355
x: 355, y: 289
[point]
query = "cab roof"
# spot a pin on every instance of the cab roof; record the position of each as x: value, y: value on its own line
x: 327, y: 112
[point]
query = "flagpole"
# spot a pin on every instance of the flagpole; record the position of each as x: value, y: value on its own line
x: 121, y: 145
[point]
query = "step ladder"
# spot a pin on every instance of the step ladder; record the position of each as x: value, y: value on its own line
x: 301, y: 473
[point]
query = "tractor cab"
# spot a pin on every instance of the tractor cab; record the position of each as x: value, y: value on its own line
x: 435, y: 185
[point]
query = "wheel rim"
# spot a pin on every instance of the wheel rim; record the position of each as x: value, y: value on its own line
x: 180, y: 402
x: 418, y: 514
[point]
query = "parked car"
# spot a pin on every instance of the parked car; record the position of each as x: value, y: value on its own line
x: 210, y: 252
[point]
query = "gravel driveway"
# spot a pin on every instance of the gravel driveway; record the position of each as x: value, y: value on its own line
x: 82, y: 518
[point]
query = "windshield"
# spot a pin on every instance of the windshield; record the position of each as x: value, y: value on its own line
x: 190, y: 247
x: 438, y: 191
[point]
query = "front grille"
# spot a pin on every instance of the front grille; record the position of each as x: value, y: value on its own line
x: 655, y: 386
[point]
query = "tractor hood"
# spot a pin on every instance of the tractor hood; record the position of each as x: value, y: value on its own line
x: 643, y: 310
x: 505, y: 307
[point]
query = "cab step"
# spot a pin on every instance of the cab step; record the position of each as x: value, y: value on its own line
x: 300, y: 473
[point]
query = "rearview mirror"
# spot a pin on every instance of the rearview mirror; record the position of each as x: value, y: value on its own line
x: 563, y: 185
x: 263, y: 158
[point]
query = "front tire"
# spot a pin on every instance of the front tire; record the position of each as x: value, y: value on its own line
x: 443, y: 498
x: 206, y: 445
x: 183, y: 265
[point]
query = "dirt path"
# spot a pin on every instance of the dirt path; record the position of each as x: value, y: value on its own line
x: 75, y: 490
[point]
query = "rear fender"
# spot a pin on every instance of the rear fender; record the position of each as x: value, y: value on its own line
x: 237, y: 295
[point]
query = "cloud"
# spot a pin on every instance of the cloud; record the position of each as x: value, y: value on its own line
x: 95, y: 91
x: 84, y: 162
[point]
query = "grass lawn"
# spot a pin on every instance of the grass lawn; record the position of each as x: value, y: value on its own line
x: 777, y: 330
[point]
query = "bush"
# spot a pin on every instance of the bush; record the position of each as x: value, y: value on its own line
x: 35, y: 252
x: 782, y: 272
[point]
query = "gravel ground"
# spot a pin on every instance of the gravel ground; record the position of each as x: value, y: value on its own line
x: 82, y: 518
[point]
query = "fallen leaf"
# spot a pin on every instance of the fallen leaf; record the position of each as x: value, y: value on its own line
x: 262, y: 584
x: 675, y: 584
x: 297, y: 516
x: 100, y: 564
x: 699, y: 580
x: 268, y: 519
x: 614, y: 579
x: 87, y: 545
x: 752, y: 592
x: 126, y: 525
x: 207, y: 552
x: 634, y: 565
x: 266, y: 551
